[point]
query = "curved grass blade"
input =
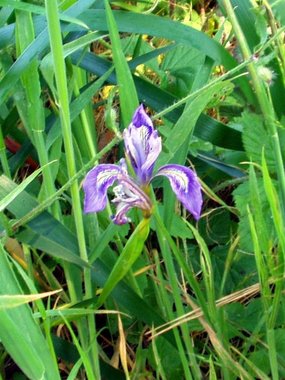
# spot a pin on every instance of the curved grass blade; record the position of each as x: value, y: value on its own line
x: 160, y: 27
x: 11, y: 301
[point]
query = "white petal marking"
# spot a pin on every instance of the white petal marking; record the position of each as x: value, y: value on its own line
x: 105, y: 175
x: 179, y: 176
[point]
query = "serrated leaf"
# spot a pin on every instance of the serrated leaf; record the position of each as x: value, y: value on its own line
x: 242, y: 199
x: 181, y: 65
x: 256, y: 139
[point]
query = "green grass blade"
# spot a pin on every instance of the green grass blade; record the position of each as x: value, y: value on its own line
x: 34, y: 50
x: 11, y: 301
x: 36, y: 9
x: 127, y: 91
x: 3, y: 157
x: 83, y: 354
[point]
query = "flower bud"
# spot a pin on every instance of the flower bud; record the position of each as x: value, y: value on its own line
x: 265, y: 74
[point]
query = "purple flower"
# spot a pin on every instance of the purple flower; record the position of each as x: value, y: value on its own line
x: 143, y: 146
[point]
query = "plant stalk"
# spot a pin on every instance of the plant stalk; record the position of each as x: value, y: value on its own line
x: 63, y: 101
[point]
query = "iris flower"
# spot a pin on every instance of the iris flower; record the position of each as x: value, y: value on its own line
x: 142, y: 148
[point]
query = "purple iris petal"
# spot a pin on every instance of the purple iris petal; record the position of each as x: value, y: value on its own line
x: 141, y: 118
x: 96, y: 184
x: 142, y: 144
x: 185, y: 185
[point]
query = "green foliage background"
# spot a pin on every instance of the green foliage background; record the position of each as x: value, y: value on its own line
x: 166, y: 298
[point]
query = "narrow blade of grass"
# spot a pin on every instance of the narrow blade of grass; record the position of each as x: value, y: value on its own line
x: 127, y: 91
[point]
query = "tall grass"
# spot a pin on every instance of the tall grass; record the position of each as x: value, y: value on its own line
x: 166, y: 297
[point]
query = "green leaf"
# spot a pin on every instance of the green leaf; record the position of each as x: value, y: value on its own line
x: 206, y: 127
x: 18, y: 189
x: 127, y: 258
x: 178, y: 228
x: 60, y: 239
x: 256, y: 139
x: 160, y: 27
x: 46, y: 65
x: 171, y: 30
x: 35, y: 49
x: 246, y: 19
x: 20, y: 334
x: 77, y: 105
x: 181, y: 66
x: 187, y: 121
x: 46, y: 226
x: 68, y: 352
x: 11, y: 301
x: 241, y: 197
x: 127, y: 91
x: 32, y: 8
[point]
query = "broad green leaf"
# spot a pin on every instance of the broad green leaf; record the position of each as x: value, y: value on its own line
x: 61, y: 247
x: 18, y: 189
x: 181, y: 66
x: 129, y: 255
x: 173, y: 31
x: 19, y: 333
x: 256, y: 139
x: 160, y: 27
x: 231, y: 170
